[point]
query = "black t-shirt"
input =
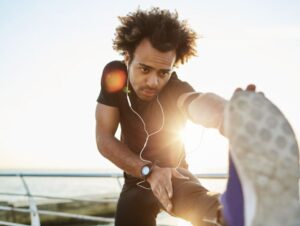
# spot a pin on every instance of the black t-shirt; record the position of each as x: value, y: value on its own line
x: 165, y: 147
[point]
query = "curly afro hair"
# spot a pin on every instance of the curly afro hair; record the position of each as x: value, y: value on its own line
x: 161, y: 27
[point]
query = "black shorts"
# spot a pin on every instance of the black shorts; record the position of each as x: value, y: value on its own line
x: 191, y: 201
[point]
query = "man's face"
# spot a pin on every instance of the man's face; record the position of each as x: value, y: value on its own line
x: 150, y: 70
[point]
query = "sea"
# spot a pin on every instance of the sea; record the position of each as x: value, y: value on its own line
x: 76, y: 188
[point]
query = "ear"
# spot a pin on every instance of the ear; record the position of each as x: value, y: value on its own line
x: 126, y: 59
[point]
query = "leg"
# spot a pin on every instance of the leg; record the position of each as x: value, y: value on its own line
x: 265, y: 153
x: 192, y: 202
x: 233, y: 199
x: 136, y: 206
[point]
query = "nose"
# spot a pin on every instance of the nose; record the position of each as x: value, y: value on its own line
x: 152, y: 81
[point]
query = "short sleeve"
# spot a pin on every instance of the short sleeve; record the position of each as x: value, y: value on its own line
x: 179, y: 87
x: 113, y: 81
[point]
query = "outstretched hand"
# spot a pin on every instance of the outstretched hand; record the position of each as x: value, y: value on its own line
x: 250, y: 88
x: 161, y: 184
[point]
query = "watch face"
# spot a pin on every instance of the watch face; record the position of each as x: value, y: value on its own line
x: 145, y: 170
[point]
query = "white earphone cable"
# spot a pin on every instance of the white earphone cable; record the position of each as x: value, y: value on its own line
x: 145, y: 128
x: 151, y: 134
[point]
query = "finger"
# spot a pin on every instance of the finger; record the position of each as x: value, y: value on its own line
x: 164, y: 199
x: 237, y: 90
x: 169, y: 189
x: 251, y: 87
x: 261, y: 93
x: 176, y: 174
x: 169, y: 207
x: 156, y: 192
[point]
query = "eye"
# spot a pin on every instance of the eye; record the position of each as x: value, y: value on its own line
x: 164, y: 74
x: 144, y: 70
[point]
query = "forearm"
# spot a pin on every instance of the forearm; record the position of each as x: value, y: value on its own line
x: 119, y: 154
x: 208, y: 110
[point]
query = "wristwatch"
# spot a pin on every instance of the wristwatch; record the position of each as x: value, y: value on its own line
x: 146, y: 171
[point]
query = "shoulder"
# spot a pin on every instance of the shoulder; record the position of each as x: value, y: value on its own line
x: 174, y: 89
x: 116, y: 64
x: 178, y: 86
x: 114, y: 76
x: 113, y: 81
x: 115, y: 68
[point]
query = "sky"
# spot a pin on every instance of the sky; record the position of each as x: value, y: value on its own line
x: 52, y: 54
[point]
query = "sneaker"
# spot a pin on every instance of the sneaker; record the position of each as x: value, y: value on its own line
x: 263, y: 184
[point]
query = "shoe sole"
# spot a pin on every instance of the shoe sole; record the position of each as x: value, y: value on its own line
x: 265, y: 152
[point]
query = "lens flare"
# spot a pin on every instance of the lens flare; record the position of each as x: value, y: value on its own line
x: 115, y: 80
x: 181, y: 222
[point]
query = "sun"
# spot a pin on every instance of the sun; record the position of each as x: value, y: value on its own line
x: 192, y: 136
x: 206, y: 149
x: 181, y: 222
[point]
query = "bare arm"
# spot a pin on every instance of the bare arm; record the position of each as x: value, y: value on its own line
x: 107, y: 120
x: 206, y: 109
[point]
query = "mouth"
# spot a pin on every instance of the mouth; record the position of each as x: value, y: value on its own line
x: 149, y: 92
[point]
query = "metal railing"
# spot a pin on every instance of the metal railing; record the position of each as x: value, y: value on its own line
x: 35, y: 212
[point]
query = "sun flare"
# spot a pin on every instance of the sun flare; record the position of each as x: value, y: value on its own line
x: 181, y: 222
x: 192, y: 136
x: 206, y: 149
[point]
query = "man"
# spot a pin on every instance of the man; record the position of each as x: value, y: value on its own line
x: 144, y: 95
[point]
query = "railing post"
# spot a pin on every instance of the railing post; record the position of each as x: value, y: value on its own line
x: 34, y: 216
x: 119, y: 182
